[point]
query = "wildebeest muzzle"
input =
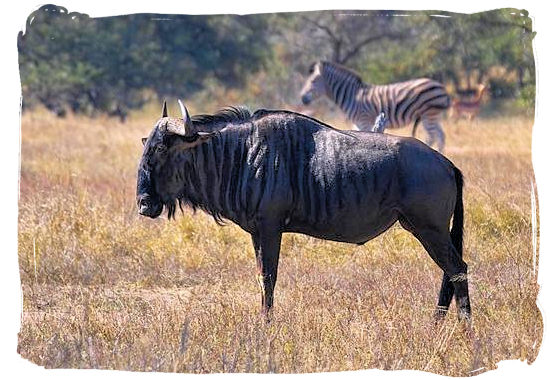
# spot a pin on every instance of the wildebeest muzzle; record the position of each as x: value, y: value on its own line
x: 148, y: 206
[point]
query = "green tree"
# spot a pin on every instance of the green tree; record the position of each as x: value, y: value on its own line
x: 111, y: 64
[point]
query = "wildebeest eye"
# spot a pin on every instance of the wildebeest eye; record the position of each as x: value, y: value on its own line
x: 311, y: 68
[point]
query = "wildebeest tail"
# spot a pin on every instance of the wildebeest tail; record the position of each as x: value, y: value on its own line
x: 457, y: 230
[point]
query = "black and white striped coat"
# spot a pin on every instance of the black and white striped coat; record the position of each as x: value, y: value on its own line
x: 404, y: 103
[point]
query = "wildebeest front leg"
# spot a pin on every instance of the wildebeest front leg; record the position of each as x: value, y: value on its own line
x: 267, y: 244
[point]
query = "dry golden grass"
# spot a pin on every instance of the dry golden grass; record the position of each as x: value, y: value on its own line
x: 104, y: 288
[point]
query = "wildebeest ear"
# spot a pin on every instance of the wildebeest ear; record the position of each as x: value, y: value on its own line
x: 198, y: 138
x: 164, y: 109
x: 204, y: 136
x: 144, y: 140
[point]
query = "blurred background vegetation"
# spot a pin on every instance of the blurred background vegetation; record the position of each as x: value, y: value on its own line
x: 70, y: 62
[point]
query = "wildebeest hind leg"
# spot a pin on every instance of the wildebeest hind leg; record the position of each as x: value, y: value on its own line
x: 441, y: 249
x: 267, y: 244
x: 438, y: 244
x: 445, y: 296
x: 447, y: 289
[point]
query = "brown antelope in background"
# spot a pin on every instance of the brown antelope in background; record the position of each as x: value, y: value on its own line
x: 468, y: 107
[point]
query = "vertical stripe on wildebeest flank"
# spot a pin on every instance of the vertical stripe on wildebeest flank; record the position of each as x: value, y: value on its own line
x: 272, y: 172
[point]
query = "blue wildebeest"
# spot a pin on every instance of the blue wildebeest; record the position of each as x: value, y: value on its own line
x: 403, y: 103
x: 277, y: 171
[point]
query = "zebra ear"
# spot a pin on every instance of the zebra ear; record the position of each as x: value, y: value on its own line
x: 164, y: 109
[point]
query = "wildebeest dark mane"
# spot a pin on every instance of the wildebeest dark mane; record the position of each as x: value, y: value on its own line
x: 264, y: 112
x: 228, y: 115
x: 241, y: 114
x: 260, y: 113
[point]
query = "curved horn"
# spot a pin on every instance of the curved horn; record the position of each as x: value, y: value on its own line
x: 186, y: 118
x: 183, y: 126
x: 184, y: 112
x: 164, y: 109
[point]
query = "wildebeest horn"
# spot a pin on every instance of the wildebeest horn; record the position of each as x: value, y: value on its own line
x: 184, y: 112
x: 177, y: 127
x: 183, y: 126
x: 164, y: 110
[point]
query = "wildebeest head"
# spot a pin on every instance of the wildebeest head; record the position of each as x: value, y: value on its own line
x: 314, y: 86
x: 156, y: 168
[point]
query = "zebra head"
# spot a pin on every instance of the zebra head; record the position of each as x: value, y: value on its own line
x: 315, y: 84
x: 170, y: 136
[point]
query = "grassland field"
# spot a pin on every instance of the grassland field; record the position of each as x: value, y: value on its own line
x: 105, y: 288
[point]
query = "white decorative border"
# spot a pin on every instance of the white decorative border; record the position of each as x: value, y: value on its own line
x: 14, y: 16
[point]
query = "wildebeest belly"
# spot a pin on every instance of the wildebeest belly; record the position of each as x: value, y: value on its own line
x: 350, y: 228
x: 352, y: 193
x: 347, y: 214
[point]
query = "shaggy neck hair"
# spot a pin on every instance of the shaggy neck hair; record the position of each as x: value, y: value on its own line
x: 207, y: 176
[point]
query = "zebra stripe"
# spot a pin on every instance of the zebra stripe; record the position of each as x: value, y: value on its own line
x: 403, y: 103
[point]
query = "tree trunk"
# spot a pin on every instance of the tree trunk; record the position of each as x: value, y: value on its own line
x: 521, y: 77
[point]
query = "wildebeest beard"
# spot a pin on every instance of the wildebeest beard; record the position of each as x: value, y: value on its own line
x: 171, y: 207
x: 171, y: 210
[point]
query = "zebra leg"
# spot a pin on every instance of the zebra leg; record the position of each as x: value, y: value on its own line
x: 431, y: 136
x: 440, y: 138
x: 435, y: 132
x: 267, y: 244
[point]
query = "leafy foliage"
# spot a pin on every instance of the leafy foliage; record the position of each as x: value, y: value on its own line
x: 113, y: 64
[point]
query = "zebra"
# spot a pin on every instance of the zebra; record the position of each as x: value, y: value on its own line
x: 273, y: 172
x: 415, y: 100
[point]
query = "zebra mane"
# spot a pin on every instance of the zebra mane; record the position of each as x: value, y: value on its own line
x: 344, y: 71
x: 231, y: 114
